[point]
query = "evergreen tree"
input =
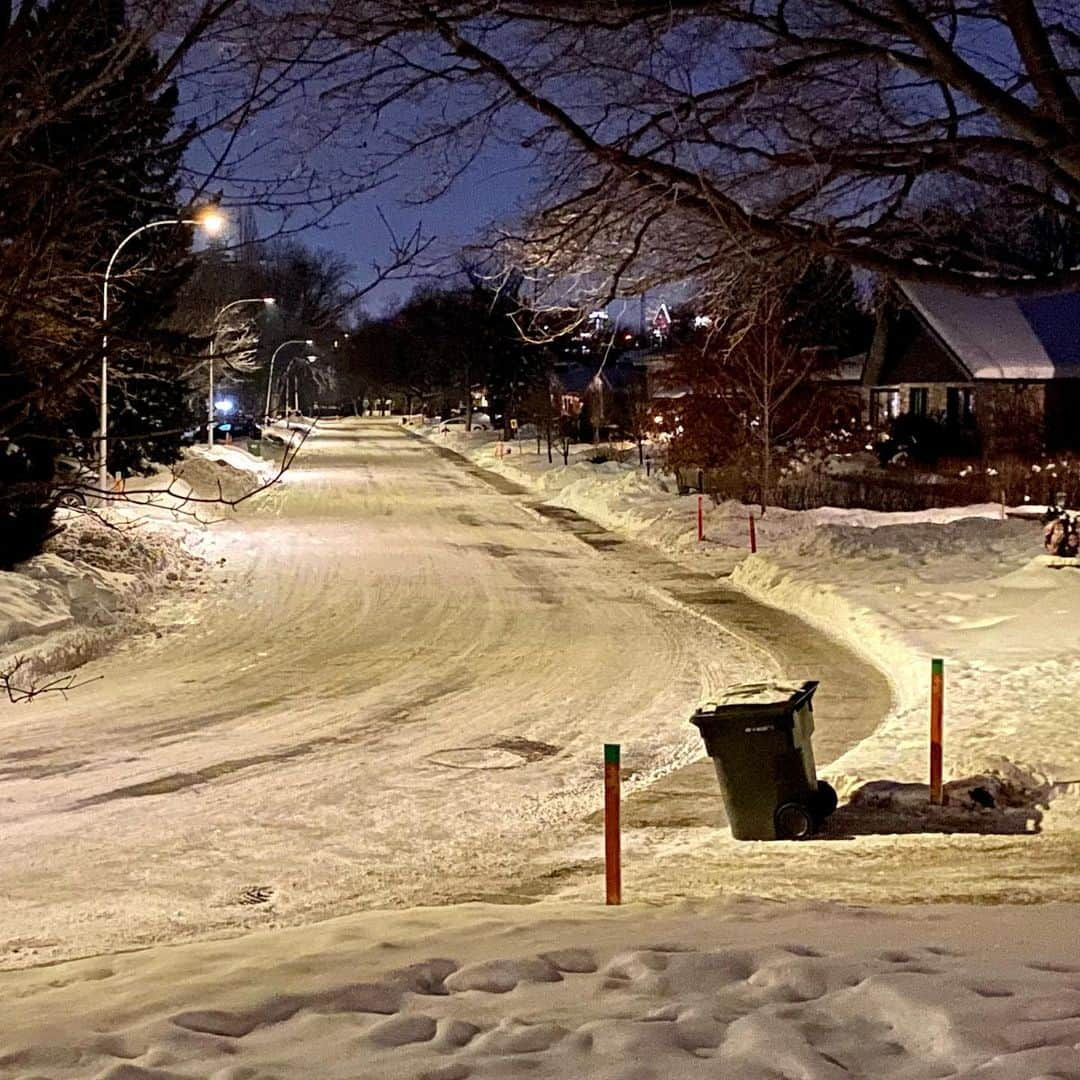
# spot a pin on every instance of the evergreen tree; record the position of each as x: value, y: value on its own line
x: 99, y: 158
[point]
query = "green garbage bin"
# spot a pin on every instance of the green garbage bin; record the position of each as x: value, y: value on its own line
x: 255, y: 447
x: 759, y: 737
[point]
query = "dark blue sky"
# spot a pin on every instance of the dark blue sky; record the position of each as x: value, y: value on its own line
x: 306, y: 137
x: 488, y: 193
x: 499, y: 185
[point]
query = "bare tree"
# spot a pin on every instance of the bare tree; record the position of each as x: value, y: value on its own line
x: 749, y: 366
x: 671, y: 129
x: 639, y: 413
x: 765, y: 370
x: 541, y: 405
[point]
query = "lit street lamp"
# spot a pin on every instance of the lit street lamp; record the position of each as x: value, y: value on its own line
x: 270, y: 378
x: 213, y: 222
x: 267, y: 301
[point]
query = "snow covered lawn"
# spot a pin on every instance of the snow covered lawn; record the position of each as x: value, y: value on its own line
x: 748, y: 989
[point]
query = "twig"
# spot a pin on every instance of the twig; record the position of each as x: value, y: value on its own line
x: 60, y: 685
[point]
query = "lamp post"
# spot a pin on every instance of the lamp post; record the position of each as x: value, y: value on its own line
x: 270, y: 378
x: 213, y: 222
x: 265, y: 300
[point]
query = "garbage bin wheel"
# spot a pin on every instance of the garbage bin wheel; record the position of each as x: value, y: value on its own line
x: 793, y: 822
x: 824, y: 802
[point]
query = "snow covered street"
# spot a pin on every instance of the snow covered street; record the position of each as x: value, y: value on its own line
x: 391, y: 693
x: 960, y: 583
x: 394, y: 692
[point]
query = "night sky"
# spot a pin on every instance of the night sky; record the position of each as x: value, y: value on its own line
x: 488, y: 193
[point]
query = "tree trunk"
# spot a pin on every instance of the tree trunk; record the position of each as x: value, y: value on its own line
x: 766, y: 456
x: 508, y: 432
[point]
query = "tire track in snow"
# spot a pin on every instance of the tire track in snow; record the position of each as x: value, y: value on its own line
x: 381, y: 608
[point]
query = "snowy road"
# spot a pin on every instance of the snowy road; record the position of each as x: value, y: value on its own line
x: 396, y: 694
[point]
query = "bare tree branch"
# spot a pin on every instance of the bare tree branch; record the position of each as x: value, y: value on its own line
x: 33, y: 687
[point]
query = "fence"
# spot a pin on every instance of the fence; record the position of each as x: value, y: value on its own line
x: 908, y: 490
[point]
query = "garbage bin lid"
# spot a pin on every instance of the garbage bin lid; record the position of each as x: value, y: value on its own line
x: 775, y: 692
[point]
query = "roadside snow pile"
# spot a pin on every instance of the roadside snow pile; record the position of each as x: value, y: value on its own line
x: 618, y: 497
x: 65, y: 606
x: 749, y: 989
x: 233, y: 455
x: 970, y: 591
x: 29, y: 603
x: 127, y: 550
x: 70, y: 604
x: 223, y: 472
x: 970, y: 543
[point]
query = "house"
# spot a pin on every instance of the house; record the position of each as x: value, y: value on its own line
x: 1002, y: 373
x: 599, y: 397
x: 837, y: 383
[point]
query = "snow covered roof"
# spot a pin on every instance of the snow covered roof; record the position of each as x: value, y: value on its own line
x: 848, y: 369
x: 1004, y: 337
x: 577, y: 378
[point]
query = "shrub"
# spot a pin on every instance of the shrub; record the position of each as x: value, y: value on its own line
x: 27, y: 504
x: 923, y: 439
x: 1018, y: 480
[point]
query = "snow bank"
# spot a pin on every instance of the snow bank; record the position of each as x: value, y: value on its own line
x: 970, y: 591
x: 71, y: 603
x: 224, y: 472
x: 748, y: 989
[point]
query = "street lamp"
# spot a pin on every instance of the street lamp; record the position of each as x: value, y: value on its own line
x: 270, y: 378
x: 268, y: 301
x: 212, y: 221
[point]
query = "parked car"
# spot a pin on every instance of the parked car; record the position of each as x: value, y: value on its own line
x: 239, y: 425
x: 71, y: 478
x: 480, y: 422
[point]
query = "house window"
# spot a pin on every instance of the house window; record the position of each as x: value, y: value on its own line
x: 918, y: 401
x: 960, y: 406
x: 884, y: 406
